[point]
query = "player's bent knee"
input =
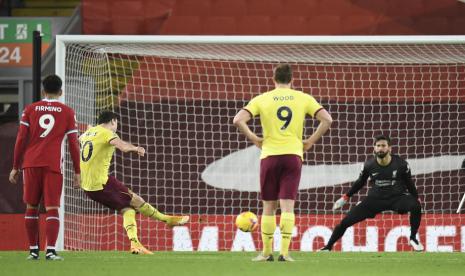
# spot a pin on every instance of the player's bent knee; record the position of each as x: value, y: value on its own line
x: 137, y: 201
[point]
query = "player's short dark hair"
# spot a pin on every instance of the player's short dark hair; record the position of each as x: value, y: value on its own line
x: 52, y: 84
x: 283, y: 73
x: 106, y: 116
x: 384, y: 138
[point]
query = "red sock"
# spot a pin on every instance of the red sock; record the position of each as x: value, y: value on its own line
x: 31, y: 220
x: 52, y: 227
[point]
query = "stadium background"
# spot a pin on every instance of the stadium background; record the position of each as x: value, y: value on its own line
x: 270, y: 17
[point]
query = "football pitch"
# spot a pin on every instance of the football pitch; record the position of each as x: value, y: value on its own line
x: 238, y: 264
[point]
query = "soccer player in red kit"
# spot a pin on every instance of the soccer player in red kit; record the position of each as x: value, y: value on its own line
x: 44, y: 127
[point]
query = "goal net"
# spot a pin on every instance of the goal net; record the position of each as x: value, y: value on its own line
x: 177, y: 96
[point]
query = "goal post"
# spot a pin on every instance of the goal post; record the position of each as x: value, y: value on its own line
x: 176, y: 96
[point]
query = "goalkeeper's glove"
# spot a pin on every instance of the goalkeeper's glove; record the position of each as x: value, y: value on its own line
x: 340, y: 202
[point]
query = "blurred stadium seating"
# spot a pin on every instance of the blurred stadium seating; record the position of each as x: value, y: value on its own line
x: 274, y: 17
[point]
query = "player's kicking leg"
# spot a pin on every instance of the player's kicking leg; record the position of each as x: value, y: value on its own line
x: 177, y: 220
x: 149, y: 211
x: 116, y: 196
x: 130, y: 225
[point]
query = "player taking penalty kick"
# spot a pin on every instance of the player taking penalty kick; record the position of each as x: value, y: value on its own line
x: 282, y: 114
x: 97, y: 147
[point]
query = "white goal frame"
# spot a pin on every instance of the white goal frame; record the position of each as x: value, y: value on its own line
x: 62, y: 40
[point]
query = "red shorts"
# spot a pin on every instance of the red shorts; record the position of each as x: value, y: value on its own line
x: 42, y: 182
x: 280, y: 176
x: 114, y: 195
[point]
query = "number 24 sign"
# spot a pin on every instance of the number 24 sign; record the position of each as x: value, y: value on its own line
x: 10, y: 55
x: 17, y: 55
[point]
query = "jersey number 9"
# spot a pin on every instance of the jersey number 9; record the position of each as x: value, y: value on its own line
x: 46, y: 121
x: 284, y: 114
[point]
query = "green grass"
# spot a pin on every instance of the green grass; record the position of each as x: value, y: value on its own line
x: 237, y: 264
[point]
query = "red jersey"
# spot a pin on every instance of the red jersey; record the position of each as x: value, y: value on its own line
x: 43, y: 128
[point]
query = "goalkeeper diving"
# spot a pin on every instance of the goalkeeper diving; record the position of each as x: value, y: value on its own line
x: 393, y: 189
x: 97, y: 147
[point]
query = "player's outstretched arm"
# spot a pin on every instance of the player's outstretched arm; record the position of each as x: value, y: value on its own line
x: 127, y: 147
x: 240, y: 121
x: 359, y: 183
x: 340, y: 202
x: 356, y: 186
x: 325, y: 123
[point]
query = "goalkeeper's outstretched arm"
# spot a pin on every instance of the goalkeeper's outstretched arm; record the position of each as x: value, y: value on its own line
x: 359, y: 183
x: 356, y: 186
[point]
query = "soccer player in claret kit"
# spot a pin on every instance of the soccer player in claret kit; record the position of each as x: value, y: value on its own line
x: 393, y: 189
x: 282, y: 114
x: 97, y: 147
x: 44, y: 127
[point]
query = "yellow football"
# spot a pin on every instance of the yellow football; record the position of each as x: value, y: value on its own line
x: 247, y: 221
